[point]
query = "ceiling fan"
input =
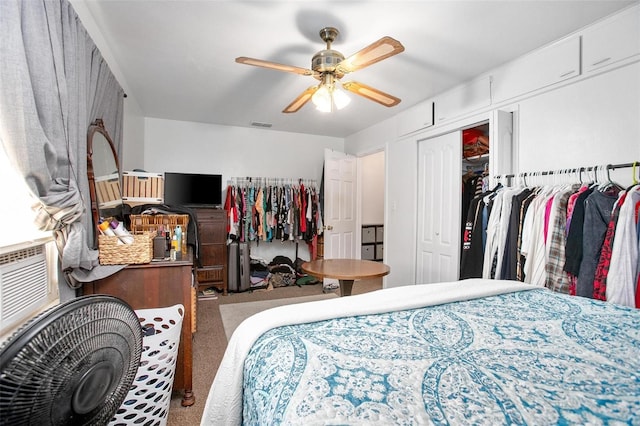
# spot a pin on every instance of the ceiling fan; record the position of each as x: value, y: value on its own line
x: 329, y: 66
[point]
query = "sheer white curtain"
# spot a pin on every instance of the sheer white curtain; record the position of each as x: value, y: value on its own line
x: 53, y: 84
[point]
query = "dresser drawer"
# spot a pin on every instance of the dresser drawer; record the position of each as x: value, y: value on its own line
x: 213, y: 253
x: 210, y: 274
x: 211, y: 233
x: 210, y: 214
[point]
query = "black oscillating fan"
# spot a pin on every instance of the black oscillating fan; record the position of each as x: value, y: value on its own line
x: 71, y: 365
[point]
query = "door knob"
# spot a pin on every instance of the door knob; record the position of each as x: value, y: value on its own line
x: 328, y: 228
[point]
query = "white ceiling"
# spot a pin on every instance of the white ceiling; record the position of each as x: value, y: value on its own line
x: 177, y: 58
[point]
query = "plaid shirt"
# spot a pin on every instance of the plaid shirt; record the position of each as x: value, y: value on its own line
x: 556, y: 279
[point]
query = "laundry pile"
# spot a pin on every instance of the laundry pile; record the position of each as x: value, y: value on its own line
x: 280, y: 272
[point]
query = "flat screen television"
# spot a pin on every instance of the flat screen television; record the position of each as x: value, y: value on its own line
x: 192, y: 189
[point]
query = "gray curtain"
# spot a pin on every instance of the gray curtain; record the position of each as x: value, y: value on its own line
x: 53, y: 84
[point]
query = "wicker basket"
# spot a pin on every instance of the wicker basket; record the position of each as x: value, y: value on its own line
x: 150, y: 223
x: 113, y: 252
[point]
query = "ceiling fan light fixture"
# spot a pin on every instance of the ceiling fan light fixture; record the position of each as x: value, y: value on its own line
x: 329, y: 66
x: 340, y: 99
x: 322, y: 99
x: 327, y: 98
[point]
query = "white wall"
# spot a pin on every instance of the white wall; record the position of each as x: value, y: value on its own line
x: 371, y: 139
x: 233, y: 151
x: 132, y: 151
x: 593, y: 122
x: 401, y: 159
x: 372, y: 187
x: 181, y: 146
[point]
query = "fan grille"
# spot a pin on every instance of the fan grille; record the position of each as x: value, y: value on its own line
x: 73, y: 364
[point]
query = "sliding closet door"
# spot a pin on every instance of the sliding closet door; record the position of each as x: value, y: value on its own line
x: 439, y: 200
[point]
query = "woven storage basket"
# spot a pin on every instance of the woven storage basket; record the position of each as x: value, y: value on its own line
x: 147, y: 402
x: 113, y: 252
x: 148, y: 222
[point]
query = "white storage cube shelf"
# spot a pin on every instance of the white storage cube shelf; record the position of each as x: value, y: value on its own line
x: 368, y: 252
x: 379, y: 234
x: 372, y: 238
x: 147, y: 402
x: 368, y: 235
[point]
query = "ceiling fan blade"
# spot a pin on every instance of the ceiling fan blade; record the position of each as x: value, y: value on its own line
x: 371, y: 93
x: 302, y: 99
x: 375, y: 52
x: 273, y: 65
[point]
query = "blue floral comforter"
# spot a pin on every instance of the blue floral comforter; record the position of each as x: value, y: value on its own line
x: 526, y: 357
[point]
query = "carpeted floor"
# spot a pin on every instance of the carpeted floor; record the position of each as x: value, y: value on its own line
x: 234, y: 313
x: 210, y: 342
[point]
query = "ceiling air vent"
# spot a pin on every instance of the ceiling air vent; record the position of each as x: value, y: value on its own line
x: 259, y: 124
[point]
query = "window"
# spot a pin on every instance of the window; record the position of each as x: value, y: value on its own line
x: 28, y: 257
x: 16, y: 215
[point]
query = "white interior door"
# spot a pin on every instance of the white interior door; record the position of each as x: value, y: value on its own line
x: 439, y: 203
x: 339, y: 205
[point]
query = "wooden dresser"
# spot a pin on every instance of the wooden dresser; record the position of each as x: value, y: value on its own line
x: 159, y: 284
x: 212, y: 234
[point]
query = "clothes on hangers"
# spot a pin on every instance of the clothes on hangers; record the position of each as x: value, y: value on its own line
x: 514, y: 234
x: 556, y: 279
x: 598, y: 208
x: 602, y: 269
x: 577, y: 239
x: 472, y: 240
x: 622, y: 280
x: 474, y: 183
x: 263, y: 211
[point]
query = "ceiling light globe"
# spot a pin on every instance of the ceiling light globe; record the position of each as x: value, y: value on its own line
x: 322, y: 99
x: 340, y: 99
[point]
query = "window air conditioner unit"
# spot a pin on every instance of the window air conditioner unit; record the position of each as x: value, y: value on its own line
x: 28, y: 282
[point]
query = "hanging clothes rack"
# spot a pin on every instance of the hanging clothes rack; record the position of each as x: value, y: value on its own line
x: 270, y: 181
x: 578, y: 170
x: 273, y: 209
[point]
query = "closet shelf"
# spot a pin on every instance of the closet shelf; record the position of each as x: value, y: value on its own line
x: 477, y: 157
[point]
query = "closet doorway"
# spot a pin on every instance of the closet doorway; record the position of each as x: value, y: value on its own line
x: 371, y: 189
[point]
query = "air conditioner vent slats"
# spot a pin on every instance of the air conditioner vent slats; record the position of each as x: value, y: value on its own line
x: 24, y: 284
x: 18, y: 255
x: 22, y: 287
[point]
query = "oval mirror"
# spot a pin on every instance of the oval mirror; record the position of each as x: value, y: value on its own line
x: 103, y: 173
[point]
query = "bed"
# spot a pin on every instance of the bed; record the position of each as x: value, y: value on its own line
x: 466, y: 352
